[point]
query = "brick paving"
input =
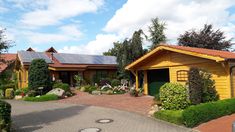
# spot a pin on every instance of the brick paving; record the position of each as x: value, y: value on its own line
x: 223, y: 124
x: 125, y: 102
x: 64, y: 117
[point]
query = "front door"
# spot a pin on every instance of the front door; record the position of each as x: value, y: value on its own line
x: 65, y: 77
x: 157, y: 78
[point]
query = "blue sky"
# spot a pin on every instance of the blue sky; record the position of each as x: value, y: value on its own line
x: 90, y: 26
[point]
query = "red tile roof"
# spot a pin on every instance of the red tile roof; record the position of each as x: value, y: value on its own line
x: 8, y: 58
x: 216, y: 53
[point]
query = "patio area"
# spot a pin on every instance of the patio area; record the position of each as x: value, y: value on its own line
x: 125, y: 102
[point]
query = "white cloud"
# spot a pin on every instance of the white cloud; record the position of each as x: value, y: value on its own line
x: 102, y: 43
x: 179, y: 15
x: 57, y: 10
x: 65, y: 33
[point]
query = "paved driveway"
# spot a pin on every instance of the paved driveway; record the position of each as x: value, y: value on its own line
x: 125, y: 102
x: 61, y: 117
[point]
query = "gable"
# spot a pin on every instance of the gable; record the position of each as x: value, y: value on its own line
x: 168, y: 59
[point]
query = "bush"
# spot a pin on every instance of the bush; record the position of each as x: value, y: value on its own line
x: 174, y: 96
x: 115, y: 82
x: 32, y: 93
x: 9, y: 93
x: 21, y: 91
x: 195, y: 115
x: 119, y: 91
x: 195, y: 86
x: 63, y: 86
x: 39, y: 75
x: 104, y: 81
x: 208, y: 86
x: 5, y: 116
x: 42, y: 98
x: 173, y: 116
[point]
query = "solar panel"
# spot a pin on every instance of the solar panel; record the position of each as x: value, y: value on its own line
x: 27, y: 56
x: 84, y: 59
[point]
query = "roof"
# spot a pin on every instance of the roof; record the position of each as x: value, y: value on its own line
x: 30, y: 49
x: 52, y: 49
x: 28, y: 56
x: 8, y: 58
x: 216, y: 55
x: 64, y: 60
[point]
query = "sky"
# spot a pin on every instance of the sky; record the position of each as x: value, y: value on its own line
x: 91, y: 26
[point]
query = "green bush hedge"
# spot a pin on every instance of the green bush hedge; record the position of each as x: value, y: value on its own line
x: 173, y: 116
x: 174, y: 96
x: 63, y: 86
x: 5, y: 116
x: 195, y: 115
x: 42, y: 98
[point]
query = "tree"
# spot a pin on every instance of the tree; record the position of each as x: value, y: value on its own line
x: 205, y: 38
x: 157, y: 35
x: 4, y: 43
x: 39, y: 75
x: 114, y: 51
x: 136, y: 45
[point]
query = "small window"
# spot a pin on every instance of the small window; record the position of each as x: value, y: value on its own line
x: 182, y: 75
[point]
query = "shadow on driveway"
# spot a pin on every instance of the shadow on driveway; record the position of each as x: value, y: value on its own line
x: 29, y: 122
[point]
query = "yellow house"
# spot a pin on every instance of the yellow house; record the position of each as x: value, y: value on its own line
x: 64, y: 66
x: 170, y: 63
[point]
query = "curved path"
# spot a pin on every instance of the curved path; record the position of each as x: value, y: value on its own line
x: 61, y: 117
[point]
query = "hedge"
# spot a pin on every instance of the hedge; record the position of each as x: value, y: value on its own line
x: 173, y: 116
x: 42, y: 98
x: 5, y: 116
x: 197, y: 114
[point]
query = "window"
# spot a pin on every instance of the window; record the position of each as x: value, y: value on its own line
x: 182, y: 75
x: 102, y: 73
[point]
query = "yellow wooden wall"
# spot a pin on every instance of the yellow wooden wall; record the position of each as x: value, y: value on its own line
x: 22, y: 76
x: 175, y: 61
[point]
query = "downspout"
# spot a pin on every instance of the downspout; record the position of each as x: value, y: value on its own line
x: 231, y: 81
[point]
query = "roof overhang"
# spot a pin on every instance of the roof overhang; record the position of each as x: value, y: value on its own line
x: 162, y: 47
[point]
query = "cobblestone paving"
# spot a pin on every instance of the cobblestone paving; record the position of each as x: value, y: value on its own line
x: 125, y: 102
x: 64, y: 117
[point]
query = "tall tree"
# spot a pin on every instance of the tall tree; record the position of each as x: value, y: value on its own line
x: 206, y: 37
x: 136, y: 45
x: 114, y: 51
x: 157, y: 35
x: 4, y: 43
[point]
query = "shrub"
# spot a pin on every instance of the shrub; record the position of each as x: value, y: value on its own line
x: 5, y: 116
x: 39, y: 75
x: 9, y: 93
x: 119, y: 91
x: 115, y: 82
x: 195, y: 115
x: 104, y: 81
x: 21, y: 91
x: 32, y: 93
x: 174, y: 96
x: 42, y: 98
x: 63, y: 86
x: 195, y: 86
x: 173, y: 116
x: 208, y: 86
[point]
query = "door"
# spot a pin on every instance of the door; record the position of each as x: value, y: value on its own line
x: 65, y: 77
x: 157, y: 78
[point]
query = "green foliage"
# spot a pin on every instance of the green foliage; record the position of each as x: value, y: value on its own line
x: 173, y: 116
x: 115, y: 82
x: 201, y: 86
x: 63, y: 86
x: 21, y: 91
x: 9, y: 93
x: 78, y: 78
x: 174, y: 96
x: 209, y: 92
x: 5, y: 116
x: 119, y: 91
x: 104, y: 81
x: 42, y: 98
x: 39, y: 75
x: 89, y: 88
x: 205, y: 38
x: 5, y: 44
x: 157, y: 35
x: 195, y: 115
x: 32, y: 93
x: 114, y: 51
x: 195, y: 86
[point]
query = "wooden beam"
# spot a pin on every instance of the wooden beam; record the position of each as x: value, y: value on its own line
x: 145, y: 82
x: 136, y: 80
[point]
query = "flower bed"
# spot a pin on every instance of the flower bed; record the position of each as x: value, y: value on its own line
x: 42, y: 98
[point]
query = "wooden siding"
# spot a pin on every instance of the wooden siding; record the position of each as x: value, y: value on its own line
x: 176, y: 61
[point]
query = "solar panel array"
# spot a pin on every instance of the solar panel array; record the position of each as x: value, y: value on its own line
x: 84, y: 59
x: 27, y: 56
